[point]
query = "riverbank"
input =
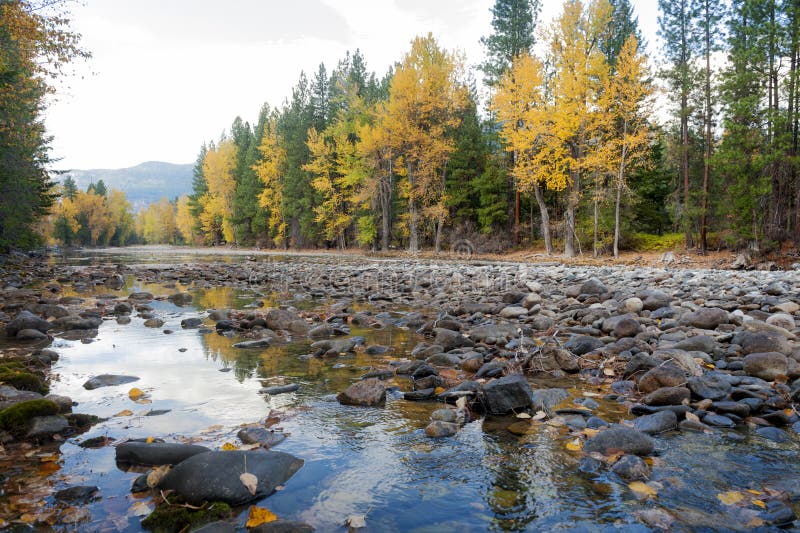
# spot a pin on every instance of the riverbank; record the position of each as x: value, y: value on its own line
x: 414, y: 394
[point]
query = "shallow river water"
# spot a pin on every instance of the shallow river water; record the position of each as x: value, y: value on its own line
x: 375, y: 462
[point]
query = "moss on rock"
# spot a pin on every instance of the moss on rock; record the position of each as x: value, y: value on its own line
x: 167, y: 518
x: 16, y: 419
x: 21, y: 380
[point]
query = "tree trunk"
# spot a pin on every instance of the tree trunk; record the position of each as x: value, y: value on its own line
x: 707, y: 120
x: 438, y: 239
x: 386, y: 209
x: 684, y: 112
x: 548, y: 244
x: 594, y: 223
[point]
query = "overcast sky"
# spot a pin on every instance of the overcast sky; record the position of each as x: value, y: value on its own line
x: 168, y: 74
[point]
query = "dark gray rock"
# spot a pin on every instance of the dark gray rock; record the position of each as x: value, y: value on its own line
x: 655, y: 299
x: 220, y: 526
x: 706, y: 318
x: 762, y: 342
x: 507, y: 394
x: 713, y: 419
x: 30, y: 335
x: 44, y: 427
x: 215, y: 476
x: 668, y: 396
x: 26, y: 320
x: 191, y: 323
x: 711, y: 386
x: 438, y: 429
x: 583, y: 344
x: 620, y: 439
x: 281, y: 319
x: 656, y: 423
x: 546, y: 399
x: 77, y: 494
x: 279, y: 389
x: 626, y: 327
x: 74, y: 322
x: 766, y: 366
x: 282, y: 526
x: 450, y: 340
x: 631, y: 468
x: 667, y: 375
x: 156, y: 453
x: 420, y: 395
x: 256, y: 343
x: 593, y: 286
x: 108, y: 380
x: 774, y: 434
x: 257, y: 435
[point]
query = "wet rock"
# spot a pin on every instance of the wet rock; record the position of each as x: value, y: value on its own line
x: 693, y: 426
x: 191, y: 323
x: 369, y: 392
x: 30, y: 335
x: 492, y: 369
x: 282, y: 526
x: 450, y: 340
x: 279, y: 389
x: 713, y: 419
x: 711, y: 386
x: 444, y: 359
x: 74, y: 322
x: 631, y: 468
x: 778, y: 514
x: 180, y: 299
x: 668, y: 396
x: 438, y: 429
x: 26, y: 320
x: 507, y: 394
x: 546, y: 399
x: 766, y: 366
x: 445, y: 415
x: 420, y: 395
x: 140, y: 296
x: 44, y: 427
x: 153, y: 323
x: 64, y: 402
x: 258, y: 435
x: 706, y: 318
x: 156, y: 453
x: 620, y: 439
x: 215, y: 476
x: 108, y: 380
x: 740, y: 409
x: 656, y: 423
x: 281, y: 319
x: 123, y: 308
x: 774, y: 434
x: 257, y: 343
x: 123, y: 320
x: 220, y: 526
x: 376, y: 349
x: 78, y: 494
x: 667, y: 375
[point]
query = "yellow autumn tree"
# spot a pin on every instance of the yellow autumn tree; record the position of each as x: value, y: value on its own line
x: 184, y: 221
x: 626, y: 106
x: 426, y: 96
x: 377, y: 151
x: 217, y: 203
x: 93, y: 214
x: 270, y: 169
x: 120, y: 223
x: 580, y: 71
x: 156, y: 223
x: 528, y: 128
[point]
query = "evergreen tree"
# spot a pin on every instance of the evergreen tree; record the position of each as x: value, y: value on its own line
x: 199, y: 188
x: 513, y: 26
x: 69, y: 188
x: 623, y: 25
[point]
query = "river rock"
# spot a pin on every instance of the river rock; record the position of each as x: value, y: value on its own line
x: 583, y: 344
x: 258, y: 435
x: 632, y: 305
x: 774, y: 434
x: 123, y: 308
x: 711, y: 386
x: 281, y: 319
x: 77, y: 494
x: 631, y: 468
x: 593, y: 286
x: 420, y: 395
x: 668, y: 396
x: 766, y: 366
x: 620, y: 439
x: 215, y: 476
x: 108, y: 380
x: 507, y: 394
x: 220, y: 526
x: 450, y: 340
x: 140, y: 296
x: 44, y: 427
x: 546, y: 399
x: 513, y: 311
x: 781, y: 320
x: 26, y: 320
x: 257, y: 343
x: 706, y: 318
x: 654, y: 299
x: 626, y: 327
x: 153, y: 323
x: 667, y: 375
x: 656, y: 423
x: 31, y: 335
x: 279, y: 389
x: 438, y: 428
x: 282, y: 526
x: 191, y: 323
x: 74, y: 322
x: 369, y: 392
x: 156, y: 453
x: 762, y: 342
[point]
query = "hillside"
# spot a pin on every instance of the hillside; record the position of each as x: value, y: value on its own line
x: 143, y: 184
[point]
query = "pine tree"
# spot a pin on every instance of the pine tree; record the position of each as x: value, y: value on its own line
x: 513, y: 27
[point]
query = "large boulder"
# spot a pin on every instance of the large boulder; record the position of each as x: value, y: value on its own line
x: 215, y: 476
x: 156, y: 453
x: 620, y: 439
x: 507, y: 394
x: 367, y: 393
x: 26, y: 320
x: 767, y: 366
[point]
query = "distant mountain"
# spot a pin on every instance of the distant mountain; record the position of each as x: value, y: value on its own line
x: 143, y: 184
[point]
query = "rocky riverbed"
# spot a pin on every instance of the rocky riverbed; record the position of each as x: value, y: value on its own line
x: 548, y: 395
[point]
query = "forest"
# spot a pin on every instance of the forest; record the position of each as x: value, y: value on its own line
x: 584, y: 145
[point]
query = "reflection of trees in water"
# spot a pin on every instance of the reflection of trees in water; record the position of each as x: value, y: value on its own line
x: 215, y: 298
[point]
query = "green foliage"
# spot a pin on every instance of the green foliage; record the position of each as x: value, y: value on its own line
x: 168, y: 518
x: 513, y: 34
x: 647, y: 242
x: 16, y: 419
x: 366, y: 230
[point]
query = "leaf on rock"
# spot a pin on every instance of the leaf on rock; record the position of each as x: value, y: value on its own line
x: 609, y: 372
x: 760, y: 503
x: 575, y: 445
x: 250, y: 481
x: 259, y: 515
x: 693, y: 417
x: 135, y: 394
x: 126, y: 412
x: 642, y: 489
x: 150, y: 440
x: 523, y: 415
x: 730, y: 498
x: 156, y: 475
x: 141, y: 508
x: 229, y: 447
x: 540, y: 415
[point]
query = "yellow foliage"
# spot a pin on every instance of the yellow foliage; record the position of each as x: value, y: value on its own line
x: 270, y: 170
x: 156, y: 224
x: 184, y: 221
x: 217, y: 203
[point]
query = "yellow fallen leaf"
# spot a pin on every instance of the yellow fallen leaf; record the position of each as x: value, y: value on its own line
x: 755, y: 492
x: 642, y: 489
x: 126, y: 412
x: 439, y: 390
x: 523, y: 415
x: 755, y: 522
x: 144, y: 401
x: 609, y: 372
x: 730, y: 498
x: 140, y: 508
x: 49, y: 458
x: 589, y: 432
x: 258, y: 516
x: 134, y: 394
x: 229, y: 447
x: 574, y: 445
x: 150, y: 440
x: 760, y: 503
